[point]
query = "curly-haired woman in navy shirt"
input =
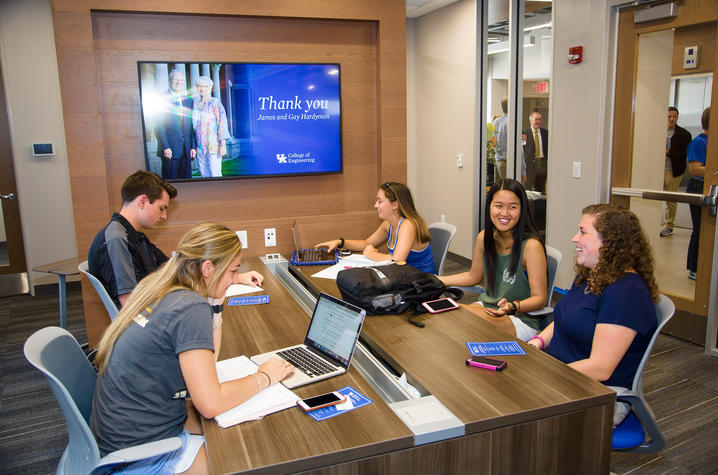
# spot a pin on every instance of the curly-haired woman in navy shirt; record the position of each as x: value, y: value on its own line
x: 602, y: 327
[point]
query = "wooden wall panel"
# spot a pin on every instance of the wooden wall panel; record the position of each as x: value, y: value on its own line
x: 702, y: 35
x: 99, y: 43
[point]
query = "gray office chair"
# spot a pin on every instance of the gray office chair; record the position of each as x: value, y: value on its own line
x: 100, y: 289
x: 553, y: 261
x: 441, y: 236
x: 630, y: 435
x: 55, y: 352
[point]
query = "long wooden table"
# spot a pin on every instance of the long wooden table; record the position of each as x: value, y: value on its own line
x: 536, y: 416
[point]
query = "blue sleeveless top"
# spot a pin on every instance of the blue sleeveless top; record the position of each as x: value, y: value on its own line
x: 422, y: 260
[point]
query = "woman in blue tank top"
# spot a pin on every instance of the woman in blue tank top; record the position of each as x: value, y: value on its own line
x: 405, y: 232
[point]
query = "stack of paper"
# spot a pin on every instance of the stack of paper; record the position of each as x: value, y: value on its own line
x: 274, y: 398
x: 354, y: 260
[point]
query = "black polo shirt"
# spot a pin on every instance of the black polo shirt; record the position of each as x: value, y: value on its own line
x: 120, y: 256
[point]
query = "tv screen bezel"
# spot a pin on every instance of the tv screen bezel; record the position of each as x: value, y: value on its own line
x: 146, y: 152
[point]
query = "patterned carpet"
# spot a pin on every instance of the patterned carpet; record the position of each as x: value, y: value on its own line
x: 32, y: 430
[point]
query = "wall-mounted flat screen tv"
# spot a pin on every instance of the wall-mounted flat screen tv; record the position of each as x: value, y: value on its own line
x: 235, y: 120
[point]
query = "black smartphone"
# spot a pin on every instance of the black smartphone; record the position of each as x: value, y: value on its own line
x: 486, y: 363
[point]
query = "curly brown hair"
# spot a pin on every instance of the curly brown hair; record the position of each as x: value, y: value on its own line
x: 624, y: 246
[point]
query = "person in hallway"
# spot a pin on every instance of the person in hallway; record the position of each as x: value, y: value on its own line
x: 696, y: 168
x: 500, y: 124
x: 162, y: 348
x: 510, y: 260
x: 536, y: 153
x: 121, y: 254
x: 176, y: 141
x: 211, y: 131
x: 404, y: 231
x: 604, y: 324
x: 677, y: 140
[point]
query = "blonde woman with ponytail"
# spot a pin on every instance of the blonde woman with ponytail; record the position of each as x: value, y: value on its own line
x: 162, y: 348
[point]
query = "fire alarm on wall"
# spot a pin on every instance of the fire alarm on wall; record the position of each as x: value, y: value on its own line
x: 575, y: 54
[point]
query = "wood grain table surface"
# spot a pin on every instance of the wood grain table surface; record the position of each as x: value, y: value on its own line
x: 532, y: 387
x: 290, y: 440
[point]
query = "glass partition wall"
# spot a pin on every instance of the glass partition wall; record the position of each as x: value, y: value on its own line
x: 513, y: 63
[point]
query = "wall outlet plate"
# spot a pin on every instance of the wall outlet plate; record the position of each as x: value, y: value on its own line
x: 270, y: 237
x: 242, y: 235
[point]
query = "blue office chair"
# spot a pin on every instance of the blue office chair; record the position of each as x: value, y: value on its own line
x: 630, y: 435
x: 55, y: 352
x: 100, y: 289
x: 441, y: 236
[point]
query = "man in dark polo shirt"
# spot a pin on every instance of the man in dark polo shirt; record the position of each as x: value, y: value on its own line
x: 121, y: 255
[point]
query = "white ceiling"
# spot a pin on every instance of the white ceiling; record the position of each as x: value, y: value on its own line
x: 416, y: 8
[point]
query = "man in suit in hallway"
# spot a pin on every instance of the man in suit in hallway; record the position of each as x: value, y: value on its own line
x: 536, y: 153
x: 176, y: 141
x: 677, y: 140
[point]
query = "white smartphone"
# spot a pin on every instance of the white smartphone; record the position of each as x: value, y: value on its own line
x: 323, y: 400
x: 440, y: 305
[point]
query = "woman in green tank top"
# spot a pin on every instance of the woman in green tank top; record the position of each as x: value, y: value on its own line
x: 510, y: 261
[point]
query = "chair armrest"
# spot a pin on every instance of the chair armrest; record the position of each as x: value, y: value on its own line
x: 138, y: 452
x: 541, y: 312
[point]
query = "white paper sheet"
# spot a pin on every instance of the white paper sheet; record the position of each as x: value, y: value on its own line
x: 241, y: 289
x: 354, y: 260
x: 274, y: 398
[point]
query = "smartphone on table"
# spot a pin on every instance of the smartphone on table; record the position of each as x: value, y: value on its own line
x: 440, y: 305
x: 486, y: 363
x: 323, y: 400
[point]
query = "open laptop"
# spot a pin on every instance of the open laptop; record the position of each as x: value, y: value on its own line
x: 329, y: 345
x: 310, y: 257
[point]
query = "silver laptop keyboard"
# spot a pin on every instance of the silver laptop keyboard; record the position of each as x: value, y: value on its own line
x: 305, y: 361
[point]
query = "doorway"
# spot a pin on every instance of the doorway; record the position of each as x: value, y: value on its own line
x: 653, y: 74
x: 13, y: 272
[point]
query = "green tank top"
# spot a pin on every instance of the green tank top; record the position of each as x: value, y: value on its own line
x: 515, y: 287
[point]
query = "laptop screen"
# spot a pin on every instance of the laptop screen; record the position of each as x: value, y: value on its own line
x: 335, y: 328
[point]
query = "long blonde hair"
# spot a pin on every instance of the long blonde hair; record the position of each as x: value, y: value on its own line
x: 205, y: 242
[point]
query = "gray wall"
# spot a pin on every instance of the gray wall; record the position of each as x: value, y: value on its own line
x: 29, y: 63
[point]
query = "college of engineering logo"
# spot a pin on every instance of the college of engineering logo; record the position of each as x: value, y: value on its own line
x: 281, y: 158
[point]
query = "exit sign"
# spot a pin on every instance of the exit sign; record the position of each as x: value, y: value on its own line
x: 542, y: 87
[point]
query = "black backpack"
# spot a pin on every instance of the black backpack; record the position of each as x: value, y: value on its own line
x: 391, y: 289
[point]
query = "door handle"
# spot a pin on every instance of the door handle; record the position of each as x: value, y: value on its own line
x: 710, y: 200
x: 9, y: 196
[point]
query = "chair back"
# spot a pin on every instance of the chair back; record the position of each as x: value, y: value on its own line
x: 100, y: 289
x: 553, y: 260
x: 664, y: 311
x: 441, y: 236
x: 55, y: 352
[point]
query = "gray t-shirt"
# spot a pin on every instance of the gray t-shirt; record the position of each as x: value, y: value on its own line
x: 140, y: 396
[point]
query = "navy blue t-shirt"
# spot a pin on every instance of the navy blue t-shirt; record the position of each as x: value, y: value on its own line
x: 626, y: 302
